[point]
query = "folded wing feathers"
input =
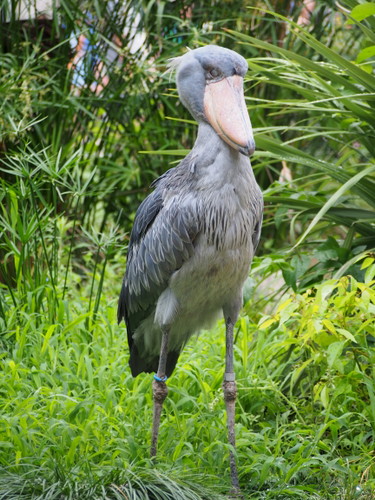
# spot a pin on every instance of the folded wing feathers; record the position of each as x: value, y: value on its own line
x: 161, y: 249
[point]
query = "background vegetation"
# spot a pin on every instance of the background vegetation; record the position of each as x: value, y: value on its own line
x: 82, y: 136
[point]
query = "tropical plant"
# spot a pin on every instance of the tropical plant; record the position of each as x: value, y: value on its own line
x: 323, y: 134
x: 73, y: 422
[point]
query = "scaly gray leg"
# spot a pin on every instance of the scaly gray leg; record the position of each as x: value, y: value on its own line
x: 230, y: 393
x: 160, y: 391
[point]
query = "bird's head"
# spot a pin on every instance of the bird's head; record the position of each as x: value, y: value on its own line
x: 210, y: 85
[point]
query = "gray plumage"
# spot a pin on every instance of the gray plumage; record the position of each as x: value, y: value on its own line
x: 195, y: 235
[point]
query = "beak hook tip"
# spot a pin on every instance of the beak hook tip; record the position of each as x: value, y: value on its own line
x: 249, y: 149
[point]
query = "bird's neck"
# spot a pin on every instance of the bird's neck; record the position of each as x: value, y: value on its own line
x: 208, y: 143
x: 217, y: 165
x: 210, y: 149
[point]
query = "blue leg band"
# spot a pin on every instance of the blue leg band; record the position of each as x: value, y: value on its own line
x: 160, y: 379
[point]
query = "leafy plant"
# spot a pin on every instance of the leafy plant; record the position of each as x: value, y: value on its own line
x: 324, y: 133
x: 73, y: 422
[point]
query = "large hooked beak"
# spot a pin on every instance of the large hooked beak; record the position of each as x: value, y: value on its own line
x: 225, y: 110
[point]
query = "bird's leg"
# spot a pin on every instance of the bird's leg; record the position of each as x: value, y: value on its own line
x: 160, y: 390
x: 230, y: 393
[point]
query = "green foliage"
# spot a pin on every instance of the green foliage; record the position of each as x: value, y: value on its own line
x: 306, y: 410
x: 323, y: 131
x: 319, y: 347
x: 109, y: 483
x: 73, y: 423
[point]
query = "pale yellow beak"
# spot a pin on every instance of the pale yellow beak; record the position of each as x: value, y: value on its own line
x: 225, y: 110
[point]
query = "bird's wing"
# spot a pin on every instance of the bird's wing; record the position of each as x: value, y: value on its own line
x: 162, y: 239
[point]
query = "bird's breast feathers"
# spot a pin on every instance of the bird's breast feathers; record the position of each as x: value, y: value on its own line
x: 229, y: 218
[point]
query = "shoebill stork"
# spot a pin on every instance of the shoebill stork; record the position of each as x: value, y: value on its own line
x: 195, y: 235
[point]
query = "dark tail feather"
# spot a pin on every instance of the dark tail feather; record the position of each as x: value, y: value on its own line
x: 138, y: 364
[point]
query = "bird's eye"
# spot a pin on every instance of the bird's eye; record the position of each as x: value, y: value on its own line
x: 213, y: 73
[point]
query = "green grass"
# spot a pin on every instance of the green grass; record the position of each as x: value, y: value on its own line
x: 75, y: 424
